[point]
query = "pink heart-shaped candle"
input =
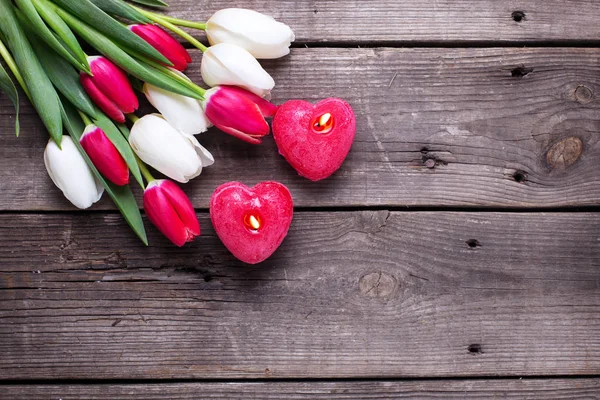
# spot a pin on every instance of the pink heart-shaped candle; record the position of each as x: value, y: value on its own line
x: 315, y: 139
x: 251, y: 222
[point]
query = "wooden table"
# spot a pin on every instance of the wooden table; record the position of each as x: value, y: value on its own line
x: 456, y: 254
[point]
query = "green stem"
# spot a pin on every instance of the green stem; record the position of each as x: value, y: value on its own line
x: 10, y: 61
x: 85, y: 118
x: 183, y: 22
x: 159, y: 19
x: 144, y: 170
x: 133, y: 118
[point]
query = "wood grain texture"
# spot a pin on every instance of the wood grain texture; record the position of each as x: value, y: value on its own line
x: 436, y: 127
x: 546, y: 389
x: 414, y: 21
x: 349, y: 294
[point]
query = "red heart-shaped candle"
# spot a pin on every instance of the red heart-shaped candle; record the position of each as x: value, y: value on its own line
x: 315, y: 139
x: 252, y: 222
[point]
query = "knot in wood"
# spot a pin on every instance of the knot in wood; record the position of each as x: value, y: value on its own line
x: 564, y: 153
x: 377, y: 285
x: 583, y: 94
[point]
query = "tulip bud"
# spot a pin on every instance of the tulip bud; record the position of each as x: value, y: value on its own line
x: 104, y: 155
x: 171, y: 211
x: 70, y: 173
x: 260, y: 34
x: 229, y: 64
x: 164, y: 43
x: 238, y: 112
x: 183, y: 113
x: 176, y: 154
x: 109, y: 88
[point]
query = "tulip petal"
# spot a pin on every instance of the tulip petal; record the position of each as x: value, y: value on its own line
x: 160, y: 212
x: 70, y: 173
x: 113, y: 83
x: 182, y: 206
x: 164, y: 43
x: 164, y: 148
x: 229, y: 64
x: 100, y: 99
x: 231, y: 107
x: 205, y: 157
x: 184, y: 113
x: 105, y: 155
x: 267, y: 108
x: 261, y: 35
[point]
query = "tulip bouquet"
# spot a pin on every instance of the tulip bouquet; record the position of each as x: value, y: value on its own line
x: 89, y: 93
x: 87, y: 89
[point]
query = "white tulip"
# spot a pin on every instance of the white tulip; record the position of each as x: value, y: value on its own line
x: 176, y: 154
x: 260, y: 34
x: 229, y: 64
x: 70, y: 173
x: 184, y: 113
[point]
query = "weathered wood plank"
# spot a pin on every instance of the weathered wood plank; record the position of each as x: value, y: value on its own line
x: 531, y: 389
x: 420, y: 21
x: 436, y: 127
x: 349, y: 294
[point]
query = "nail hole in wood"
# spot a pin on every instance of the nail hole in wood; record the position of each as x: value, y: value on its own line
x: 518, y: 16
x: 475, y: 348
x: 520, y: 176
x: 424, y: 150
x: 473, y: 243
x: 521, y: 72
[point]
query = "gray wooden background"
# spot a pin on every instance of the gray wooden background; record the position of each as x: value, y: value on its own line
x: 455, y: 255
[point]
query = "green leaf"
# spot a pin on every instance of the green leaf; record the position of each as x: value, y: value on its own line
x: 121, y: 9
x: 42, y: 92
x: 33, y: 20
x: 151, y: 3
x: 121, y: 195
x: 7, y: 86
x: 115, y: 136
x: 128, y: 63
x: 87, y: 12
x: 124, y: 130
x: 61, y: 28
x: 64, y: 78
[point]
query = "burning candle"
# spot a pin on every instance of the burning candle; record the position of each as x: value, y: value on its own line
x: 315, y: 139
x: 251, y: 222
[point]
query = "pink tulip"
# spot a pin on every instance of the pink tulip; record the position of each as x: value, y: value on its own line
x: 104, y: 155
x: 238, y: 112
x: 109, y: 88
x: 171, y: 211
x: 164, y: 43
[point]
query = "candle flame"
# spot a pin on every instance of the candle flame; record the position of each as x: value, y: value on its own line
x: 323, y: 124
x: 253, y: 222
